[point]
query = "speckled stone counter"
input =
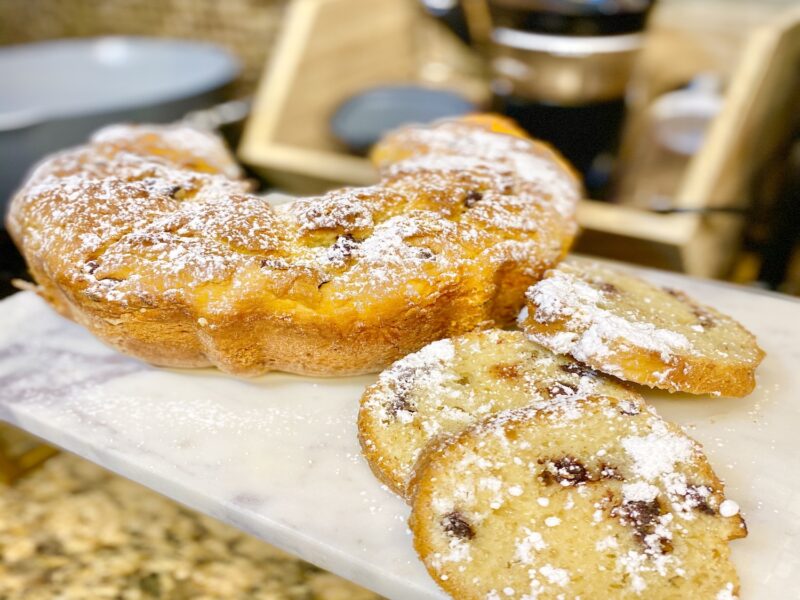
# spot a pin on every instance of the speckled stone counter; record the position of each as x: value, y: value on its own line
x: 72, y: 530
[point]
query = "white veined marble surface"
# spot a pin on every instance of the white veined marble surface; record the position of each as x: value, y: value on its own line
x: 278, y: 457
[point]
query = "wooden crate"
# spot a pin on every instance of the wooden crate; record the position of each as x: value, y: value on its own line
x: 20, y: 453
x: 331, y: 49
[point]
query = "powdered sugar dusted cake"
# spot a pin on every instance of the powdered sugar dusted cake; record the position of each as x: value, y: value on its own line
x: 451, y: 383
x: 149, y: 238
x: 624, y: 326
x: 602, y: 500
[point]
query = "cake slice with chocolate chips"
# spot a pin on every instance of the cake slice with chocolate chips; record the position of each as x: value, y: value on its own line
x: 624, y: 326
x: 452, y: 383
x: 603, y: 499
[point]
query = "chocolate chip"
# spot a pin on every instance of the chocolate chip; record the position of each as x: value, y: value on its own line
x: 278, y: 264
x: 628, y: 407
x: 344, y: 246
x: 576, y: 369
x: 703, y: 316
x: 174, y: 191
x: 472, y: 198
x: 562, y: 388
x: 425, y: 253
x: 643, y: 515
x: 566, y: 471
x: 675, y: 293
x: 609, y: 288
x: 697, y: 498
x: 405, y: 374
x: 609, y: 472
x: 91, y: 266
x: 399, y: 403
x: 454, y: 524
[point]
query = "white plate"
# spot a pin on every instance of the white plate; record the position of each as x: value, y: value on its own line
x: 278, y: 457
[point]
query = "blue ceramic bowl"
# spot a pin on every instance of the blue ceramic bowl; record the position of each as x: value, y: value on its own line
x: 56, y: 93
x: 360, y: 121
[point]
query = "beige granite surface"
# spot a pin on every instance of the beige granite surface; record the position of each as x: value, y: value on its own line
x: 72, y: 530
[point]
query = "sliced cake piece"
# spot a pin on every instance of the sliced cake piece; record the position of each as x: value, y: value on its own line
x: 624, y: 326
x: 603, y: 500
x: 451, y: 383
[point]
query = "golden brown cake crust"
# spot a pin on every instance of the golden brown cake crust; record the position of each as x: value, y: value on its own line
x: 148, y: 237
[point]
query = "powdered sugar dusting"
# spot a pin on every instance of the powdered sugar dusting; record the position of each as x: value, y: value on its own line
x: 657, y: 453
x: 639, y: 499
x: 347, y: 210
x: 170, y: 139
x: 529, y: 544
x: 593, y: 333
x: 639, y: 491
x: 150, y: 215
x: 425, y: 370
x: 729, y: 508
x: 530, y: 163
x: 559, y: 577
x: 429, y: 393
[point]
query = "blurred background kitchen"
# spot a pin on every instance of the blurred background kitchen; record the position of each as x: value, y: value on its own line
x: 682, y: 116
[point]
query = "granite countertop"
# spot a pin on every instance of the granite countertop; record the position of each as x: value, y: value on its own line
x: 277, y: 456
x: 73, y: 530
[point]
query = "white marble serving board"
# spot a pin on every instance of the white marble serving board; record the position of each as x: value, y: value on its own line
x: 278, y: 457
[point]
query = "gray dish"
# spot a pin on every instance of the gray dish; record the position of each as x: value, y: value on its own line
x: 55, y: 94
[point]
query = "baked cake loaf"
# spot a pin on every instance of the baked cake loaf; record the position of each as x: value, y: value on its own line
x: 624, y: 326
x: 148, y: 237
x: 597, y: 501
x: 451, y: 383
